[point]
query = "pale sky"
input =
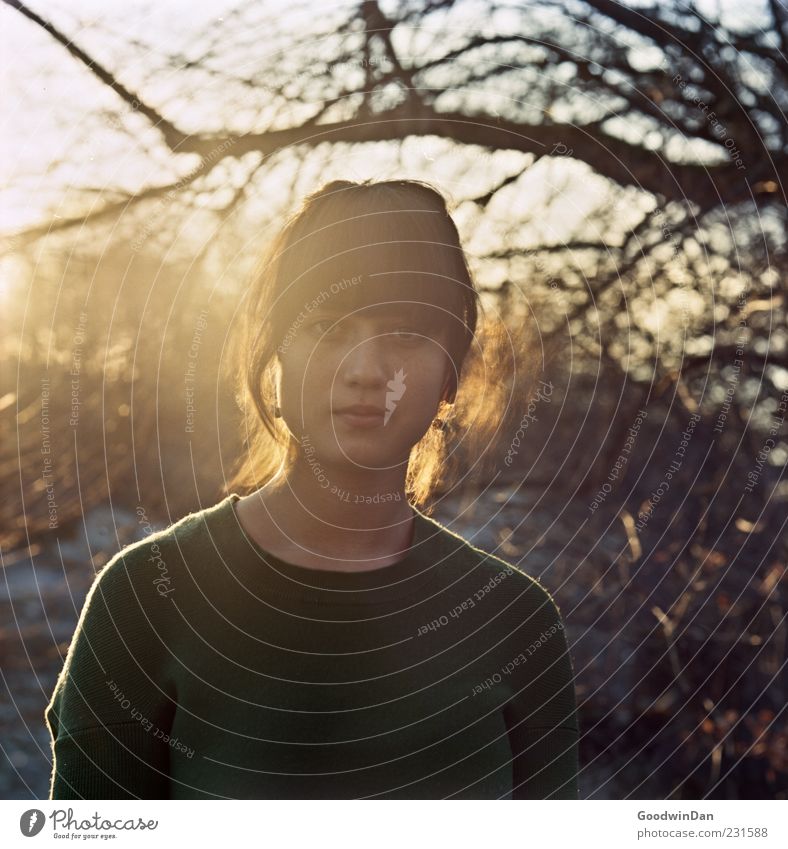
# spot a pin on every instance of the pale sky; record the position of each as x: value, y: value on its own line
x: 57, y: 134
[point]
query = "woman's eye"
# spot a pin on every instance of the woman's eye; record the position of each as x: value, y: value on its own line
x: 408, y: 334
x: 404, y: 333
x: 324, y: 326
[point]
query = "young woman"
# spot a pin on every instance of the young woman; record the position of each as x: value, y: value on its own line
x: 322, y: 637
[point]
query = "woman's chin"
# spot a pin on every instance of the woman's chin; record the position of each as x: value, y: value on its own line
x: 364, y: 450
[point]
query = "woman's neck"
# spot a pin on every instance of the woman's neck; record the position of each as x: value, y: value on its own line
x: 347, y: 525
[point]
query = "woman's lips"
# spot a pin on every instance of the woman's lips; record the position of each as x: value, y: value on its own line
x: 363, y: 420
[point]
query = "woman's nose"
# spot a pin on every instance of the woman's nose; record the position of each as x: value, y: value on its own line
x: 366, y: 363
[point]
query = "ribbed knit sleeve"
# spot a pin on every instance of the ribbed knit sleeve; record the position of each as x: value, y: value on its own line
x: 541, y: 715
x: 113, y: 702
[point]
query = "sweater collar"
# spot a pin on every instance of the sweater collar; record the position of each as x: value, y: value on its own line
x: 266, y: 573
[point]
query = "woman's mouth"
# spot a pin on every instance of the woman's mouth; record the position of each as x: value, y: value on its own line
x: 360, y: 415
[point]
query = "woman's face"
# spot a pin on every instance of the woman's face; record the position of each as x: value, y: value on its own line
x: 389, y: 357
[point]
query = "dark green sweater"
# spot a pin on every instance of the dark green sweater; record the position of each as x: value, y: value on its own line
x: 204, y: 667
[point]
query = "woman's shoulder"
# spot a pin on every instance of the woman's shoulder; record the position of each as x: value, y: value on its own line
x: 161, y: 553
x: 490, y: 573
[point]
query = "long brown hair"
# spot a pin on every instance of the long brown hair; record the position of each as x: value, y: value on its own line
x: 367, y: 241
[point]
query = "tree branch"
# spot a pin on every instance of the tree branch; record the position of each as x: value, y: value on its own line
x: 174, y: 138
